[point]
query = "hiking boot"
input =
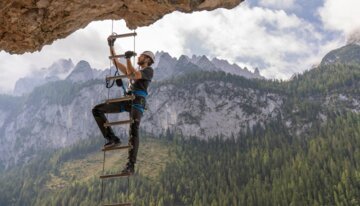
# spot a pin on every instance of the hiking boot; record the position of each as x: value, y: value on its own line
x: 108, y: 144
x: 115, y: 140
x: 129, y: 168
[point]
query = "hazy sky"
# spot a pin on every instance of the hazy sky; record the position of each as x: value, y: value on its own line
x: 280, y: 37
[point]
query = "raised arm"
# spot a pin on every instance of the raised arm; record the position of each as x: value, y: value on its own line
x: 133, y: 73
x: 116, y: 62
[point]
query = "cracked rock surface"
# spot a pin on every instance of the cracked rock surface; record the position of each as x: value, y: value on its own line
x: 28, y: 25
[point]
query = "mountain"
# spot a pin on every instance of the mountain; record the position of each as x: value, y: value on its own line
x: 235, y: 69
x: 349, y: 54
x: 203, y: 104
x: 193, y: 102
x: 205, y: 64
x: 58, y: 114
x: 168, y: 66
x: 207, y: 138
x: 81, y: 73
x: 165, y: 65
x: 58, y: 70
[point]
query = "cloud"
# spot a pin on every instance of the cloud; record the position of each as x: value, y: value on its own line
x: 278, y: 4
x: 256, y: 36
x: 277, y: 42
x: 341, y: 16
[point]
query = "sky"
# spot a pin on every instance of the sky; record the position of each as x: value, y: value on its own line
x: 280, y: 37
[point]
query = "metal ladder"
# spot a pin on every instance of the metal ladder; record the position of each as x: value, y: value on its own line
x: 121, y: 122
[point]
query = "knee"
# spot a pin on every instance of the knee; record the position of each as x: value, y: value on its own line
x: 96, y: 111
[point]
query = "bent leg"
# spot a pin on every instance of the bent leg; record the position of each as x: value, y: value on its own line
x: 99, y: 112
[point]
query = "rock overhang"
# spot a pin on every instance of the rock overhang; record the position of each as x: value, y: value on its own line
x: 28, y: 25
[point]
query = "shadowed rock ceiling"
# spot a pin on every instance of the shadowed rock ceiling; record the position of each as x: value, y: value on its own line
x: 28, y: 25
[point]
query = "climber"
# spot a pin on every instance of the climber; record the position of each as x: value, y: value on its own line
x: 141, y: 79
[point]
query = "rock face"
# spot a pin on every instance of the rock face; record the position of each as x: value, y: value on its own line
x: 58, y: 114
x: 209, y: 104
x: 349, y: 54
x: 28, y: 25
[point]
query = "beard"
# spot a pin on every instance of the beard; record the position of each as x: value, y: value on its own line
x: 141, y: 62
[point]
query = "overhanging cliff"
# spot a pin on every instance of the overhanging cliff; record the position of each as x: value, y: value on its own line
x: 28, y: 25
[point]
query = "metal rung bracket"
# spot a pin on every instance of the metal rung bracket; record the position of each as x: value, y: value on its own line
x: 115, y: 148
x: 119, y: 204
x: 115, y: 175
x: 119, y: 56
x: 124, y: 35
x: 121, y: 99
x: 116, y: 77
x: 108, y: 124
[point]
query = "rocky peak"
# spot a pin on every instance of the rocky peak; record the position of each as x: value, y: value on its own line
x: 58, y: 70
x: 164, y: 65
x: 219, y: 61
x: 28, y: 25
x: 257, y: 72
x: 167, y: 66
x: 163, y: 59
x: 195, y: 58
x: 82, y: 72
x: 205, y: 64
x: 82, y: 66
x: 345, y: 55
x: 61, y: 68
x: 183, y: 59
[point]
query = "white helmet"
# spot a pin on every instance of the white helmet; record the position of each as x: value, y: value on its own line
x: 150, y: 55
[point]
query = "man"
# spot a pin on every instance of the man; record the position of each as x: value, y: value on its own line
x: 141, y: 80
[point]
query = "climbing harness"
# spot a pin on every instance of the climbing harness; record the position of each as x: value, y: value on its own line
x: 127, y: 96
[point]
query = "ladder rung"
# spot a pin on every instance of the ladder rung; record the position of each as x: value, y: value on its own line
x: 108, y: 124
x: 124, y: 35
x: 118, y: 147
x: 119, y: 204
x: 119, y: 56
x: 121, y: 99
x: 116, y: 77
x: 115, y: 175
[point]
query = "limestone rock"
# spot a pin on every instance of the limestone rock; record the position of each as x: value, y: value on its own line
x: 28, y: 25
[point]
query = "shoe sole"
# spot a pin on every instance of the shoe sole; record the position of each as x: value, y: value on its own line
x: 112, y: 145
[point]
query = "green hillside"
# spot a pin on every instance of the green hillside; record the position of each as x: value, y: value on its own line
x: 266, y: 165
x: 263, y: 167
x: 53, y: 173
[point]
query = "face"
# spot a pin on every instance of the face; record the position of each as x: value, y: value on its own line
x: 142, y: 59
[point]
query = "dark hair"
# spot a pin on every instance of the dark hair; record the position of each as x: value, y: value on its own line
x: 150, y: 62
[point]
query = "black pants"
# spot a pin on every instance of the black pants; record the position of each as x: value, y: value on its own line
x: 117, y: 107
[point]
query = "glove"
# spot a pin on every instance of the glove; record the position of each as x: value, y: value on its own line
x: 111, y: 40
x: 129, y: 54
